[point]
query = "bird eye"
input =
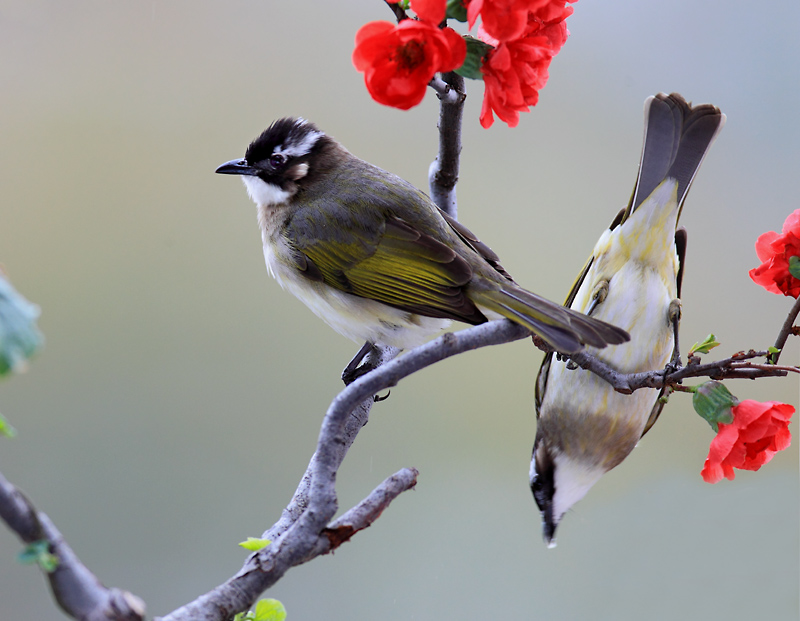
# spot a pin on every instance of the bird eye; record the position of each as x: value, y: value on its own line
x: 276, y: 160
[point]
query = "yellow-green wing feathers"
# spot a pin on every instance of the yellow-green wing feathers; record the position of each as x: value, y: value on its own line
x: 401, y: 267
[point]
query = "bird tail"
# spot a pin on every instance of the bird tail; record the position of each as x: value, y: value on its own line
x: 677, y: 137
x: 565, y: 330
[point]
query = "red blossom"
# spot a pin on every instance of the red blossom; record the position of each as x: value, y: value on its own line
x: 515, y: 71
x: 506, y: 20
x: 399, y: 60
x: 758, y: 431
x: 774, y: 251
x: 554, y: 28
x: 513, y: 75
x: 431, y: 11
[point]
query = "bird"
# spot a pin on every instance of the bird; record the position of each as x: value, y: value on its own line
x: 375, y: 258
x: 633, y: 280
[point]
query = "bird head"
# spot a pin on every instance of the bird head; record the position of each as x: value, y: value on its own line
x: 558, y: 482
x: 287, y: 155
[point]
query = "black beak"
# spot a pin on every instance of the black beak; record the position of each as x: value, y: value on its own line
x: 237, y: 167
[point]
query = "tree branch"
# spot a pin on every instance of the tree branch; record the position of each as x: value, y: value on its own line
x: 443, y: 172
x: 399, y: 13
x: 786, y: 330
x: 77, y: 590
x: 305, y: 529
x: 735, y: 367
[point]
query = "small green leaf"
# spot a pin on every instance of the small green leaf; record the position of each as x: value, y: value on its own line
x: 254, y: 544
x: 456, y: 10
x: 5, y: 429
x: 270, y: 610
x: 476, y: 50
x: 19, y: 336
x: 705, y: 346
x: 713, y: 401
x: 39, y: 552
x: 772, y: 354
x: 794, y: 266
x: 244, y: 616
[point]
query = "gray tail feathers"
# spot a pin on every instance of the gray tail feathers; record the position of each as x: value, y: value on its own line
x: 677, y: 137
x: 564, y: 329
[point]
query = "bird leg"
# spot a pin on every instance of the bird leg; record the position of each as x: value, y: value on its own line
x: 599, y: 295
x: 674, y: 317
x: 369, y: 355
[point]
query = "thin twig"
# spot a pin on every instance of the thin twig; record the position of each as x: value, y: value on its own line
x: 786, y: 330
x: 734, y: 367
x: 399, y: 13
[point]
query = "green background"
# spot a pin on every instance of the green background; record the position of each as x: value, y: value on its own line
x: 179, y: 396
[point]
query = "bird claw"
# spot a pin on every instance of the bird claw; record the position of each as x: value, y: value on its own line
x: 356, y: 369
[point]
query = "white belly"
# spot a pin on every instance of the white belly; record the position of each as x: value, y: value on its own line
x: 357, y: 318
x: 640, y: 263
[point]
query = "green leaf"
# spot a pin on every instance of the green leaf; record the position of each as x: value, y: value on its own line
x: 244, y: 616
x: 19, y: 336
x: 39, y: 552
x: 254, y: 544
x: 705, y: 346
x: 476, y: 50
x: 456, y: 10
x: 5, y: 429
x: 713, y: 401
x: 794, y: 266
x: 270, y: 610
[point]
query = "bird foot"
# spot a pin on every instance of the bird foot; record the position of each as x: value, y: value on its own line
x: 355, y: 369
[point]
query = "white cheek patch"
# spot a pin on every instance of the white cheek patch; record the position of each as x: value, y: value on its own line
x: 264, y: 193
x: 297, y: 172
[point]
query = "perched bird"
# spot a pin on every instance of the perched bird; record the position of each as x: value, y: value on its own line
x: 374, y: 257
x: 633, y: 280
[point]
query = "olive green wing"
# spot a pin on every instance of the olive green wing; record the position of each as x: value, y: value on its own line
x: 471, y: 240
x: 389, y: 261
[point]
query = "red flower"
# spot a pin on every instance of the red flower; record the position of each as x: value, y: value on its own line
x: 515, y: 71
x: 513, y: 75
x: 431, y: 11
x: 774, y: 251
x: 399, y: 60
x: 555, y: 28
x: 506, y: 20
x: 758, y: 431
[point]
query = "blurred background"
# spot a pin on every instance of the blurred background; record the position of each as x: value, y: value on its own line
x: 179, y: 396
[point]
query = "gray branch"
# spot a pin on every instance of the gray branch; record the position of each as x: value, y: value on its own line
x: 737, y: 366
x: 787, y: 329
x: 77, y: 590
x: 443, y: 172
x: 306, y: 528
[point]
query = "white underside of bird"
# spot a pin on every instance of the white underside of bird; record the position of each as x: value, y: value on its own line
x: 638, y: 260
